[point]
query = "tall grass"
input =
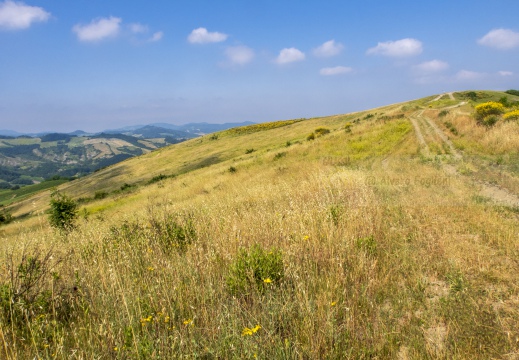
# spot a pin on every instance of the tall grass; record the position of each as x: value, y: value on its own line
x: 383, y: 256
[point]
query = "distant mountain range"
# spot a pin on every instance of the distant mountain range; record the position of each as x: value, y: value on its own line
x: 30, y: 158
x: 186, y: 130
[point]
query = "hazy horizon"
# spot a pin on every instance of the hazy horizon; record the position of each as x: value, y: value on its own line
x: 97, y: 65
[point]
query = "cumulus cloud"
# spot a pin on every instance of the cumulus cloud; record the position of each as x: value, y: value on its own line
x: 337, y: 70
x: 399, y: 48
x: 505, y: 73
x: 98, y: 29
x: 202, y: 36
x: 156, y: 36
x: 239, y: 55
x: 137, y: 28
x: 16, y: 15
x: 432, y: 66
x: 289, y: 55
x: 502, y: 39
x: 328, y: 49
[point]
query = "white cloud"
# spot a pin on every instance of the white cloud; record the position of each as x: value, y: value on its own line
x: 432, y: 66
x: 289, y: 55
x: 337, y: 70
x: 505, y: 73
x: 202, y: 36
x: 239, y: 55
x: 98, y: 29
x: 17, y: 15
x: 328, y: 49
x: 137, y: 28
x: 466, y: 75
x: 399, y: 48
x: 502, y: 39
x: 156, y: 36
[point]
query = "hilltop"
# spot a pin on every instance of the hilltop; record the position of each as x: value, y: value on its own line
x: 386, y: 233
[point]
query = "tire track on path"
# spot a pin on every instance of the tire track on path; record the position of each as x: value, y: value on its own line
x: 497, y: 194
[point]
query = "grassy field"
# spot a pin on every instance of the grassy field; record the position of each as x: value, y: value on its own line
x: 8, y: 197
x: 362, y: 243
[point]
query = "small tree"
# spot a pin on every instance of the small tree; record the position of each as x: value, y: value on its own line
x: 63, y: 212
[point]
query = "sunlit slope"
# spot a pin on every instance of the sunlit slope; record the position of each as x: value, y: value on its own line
x: 357, y: 139
x: 397, y: 231
x: 245, y: 148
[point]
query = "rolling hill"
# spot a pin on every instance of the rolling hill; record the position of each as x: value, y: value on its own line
x: 28, y: 159
x: 387, y: 233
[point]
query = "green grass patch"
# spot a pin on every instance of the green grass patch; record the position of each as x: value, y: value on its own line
x: 9, y: 196
x: 259, y: 127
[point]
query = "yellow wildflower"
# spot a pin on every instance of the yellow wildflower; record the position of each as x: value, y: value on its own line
x: 146, y: 320
x: 188, y: 322
x: 333, y: 303
x: 267, y: 281
x: 250, y: 332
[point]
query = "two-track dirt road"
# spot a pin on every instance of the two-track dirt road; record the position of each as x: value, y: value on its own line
x: 434, y: 142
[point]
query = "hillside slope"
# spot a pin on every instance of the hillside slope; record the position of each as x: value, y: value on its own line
x: 388, y: 233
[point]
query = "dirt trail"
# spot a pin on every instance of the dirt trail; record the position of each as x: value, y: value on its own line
x: 449, y: 94
x: 440, y: 143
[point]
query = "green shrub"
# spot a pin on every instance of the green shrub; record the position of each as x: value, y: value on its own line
x: 367, y: 244
x: 451, y: 127
x: 100, y: 195
x: 255, y: 270
x: 36, y: 301
x: 232, y: 169
x: 279, y: 155
x: 163, y: 231
x: 172, y: 233
x: 348, y: 126
x: 126, y: 186
x: 5, y: 216
x: 504, y: 100
x: 321, y: 131
x: 157, y: 178
x: 335, y: 214
x: 490, y: 120
x: 443, y: 113
x: 512, y: 92
x: 310, y: 137
x: 249, y: 151
x: 63, y: 212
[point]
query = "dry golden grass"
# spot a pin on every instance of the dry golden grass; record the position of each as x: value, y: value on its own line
x: 385, y: 255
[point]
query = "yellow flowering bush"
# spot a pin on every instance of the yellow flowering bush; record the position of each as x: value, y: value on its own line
x: 489, y: 108
x: 512, y: 115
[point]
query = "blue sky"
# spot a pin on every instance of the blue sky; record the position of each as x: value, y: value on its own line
x: 101, y: 64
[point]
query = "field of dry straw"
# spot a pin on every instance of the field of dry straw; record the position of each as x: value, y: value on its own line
x: 358, y: 244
